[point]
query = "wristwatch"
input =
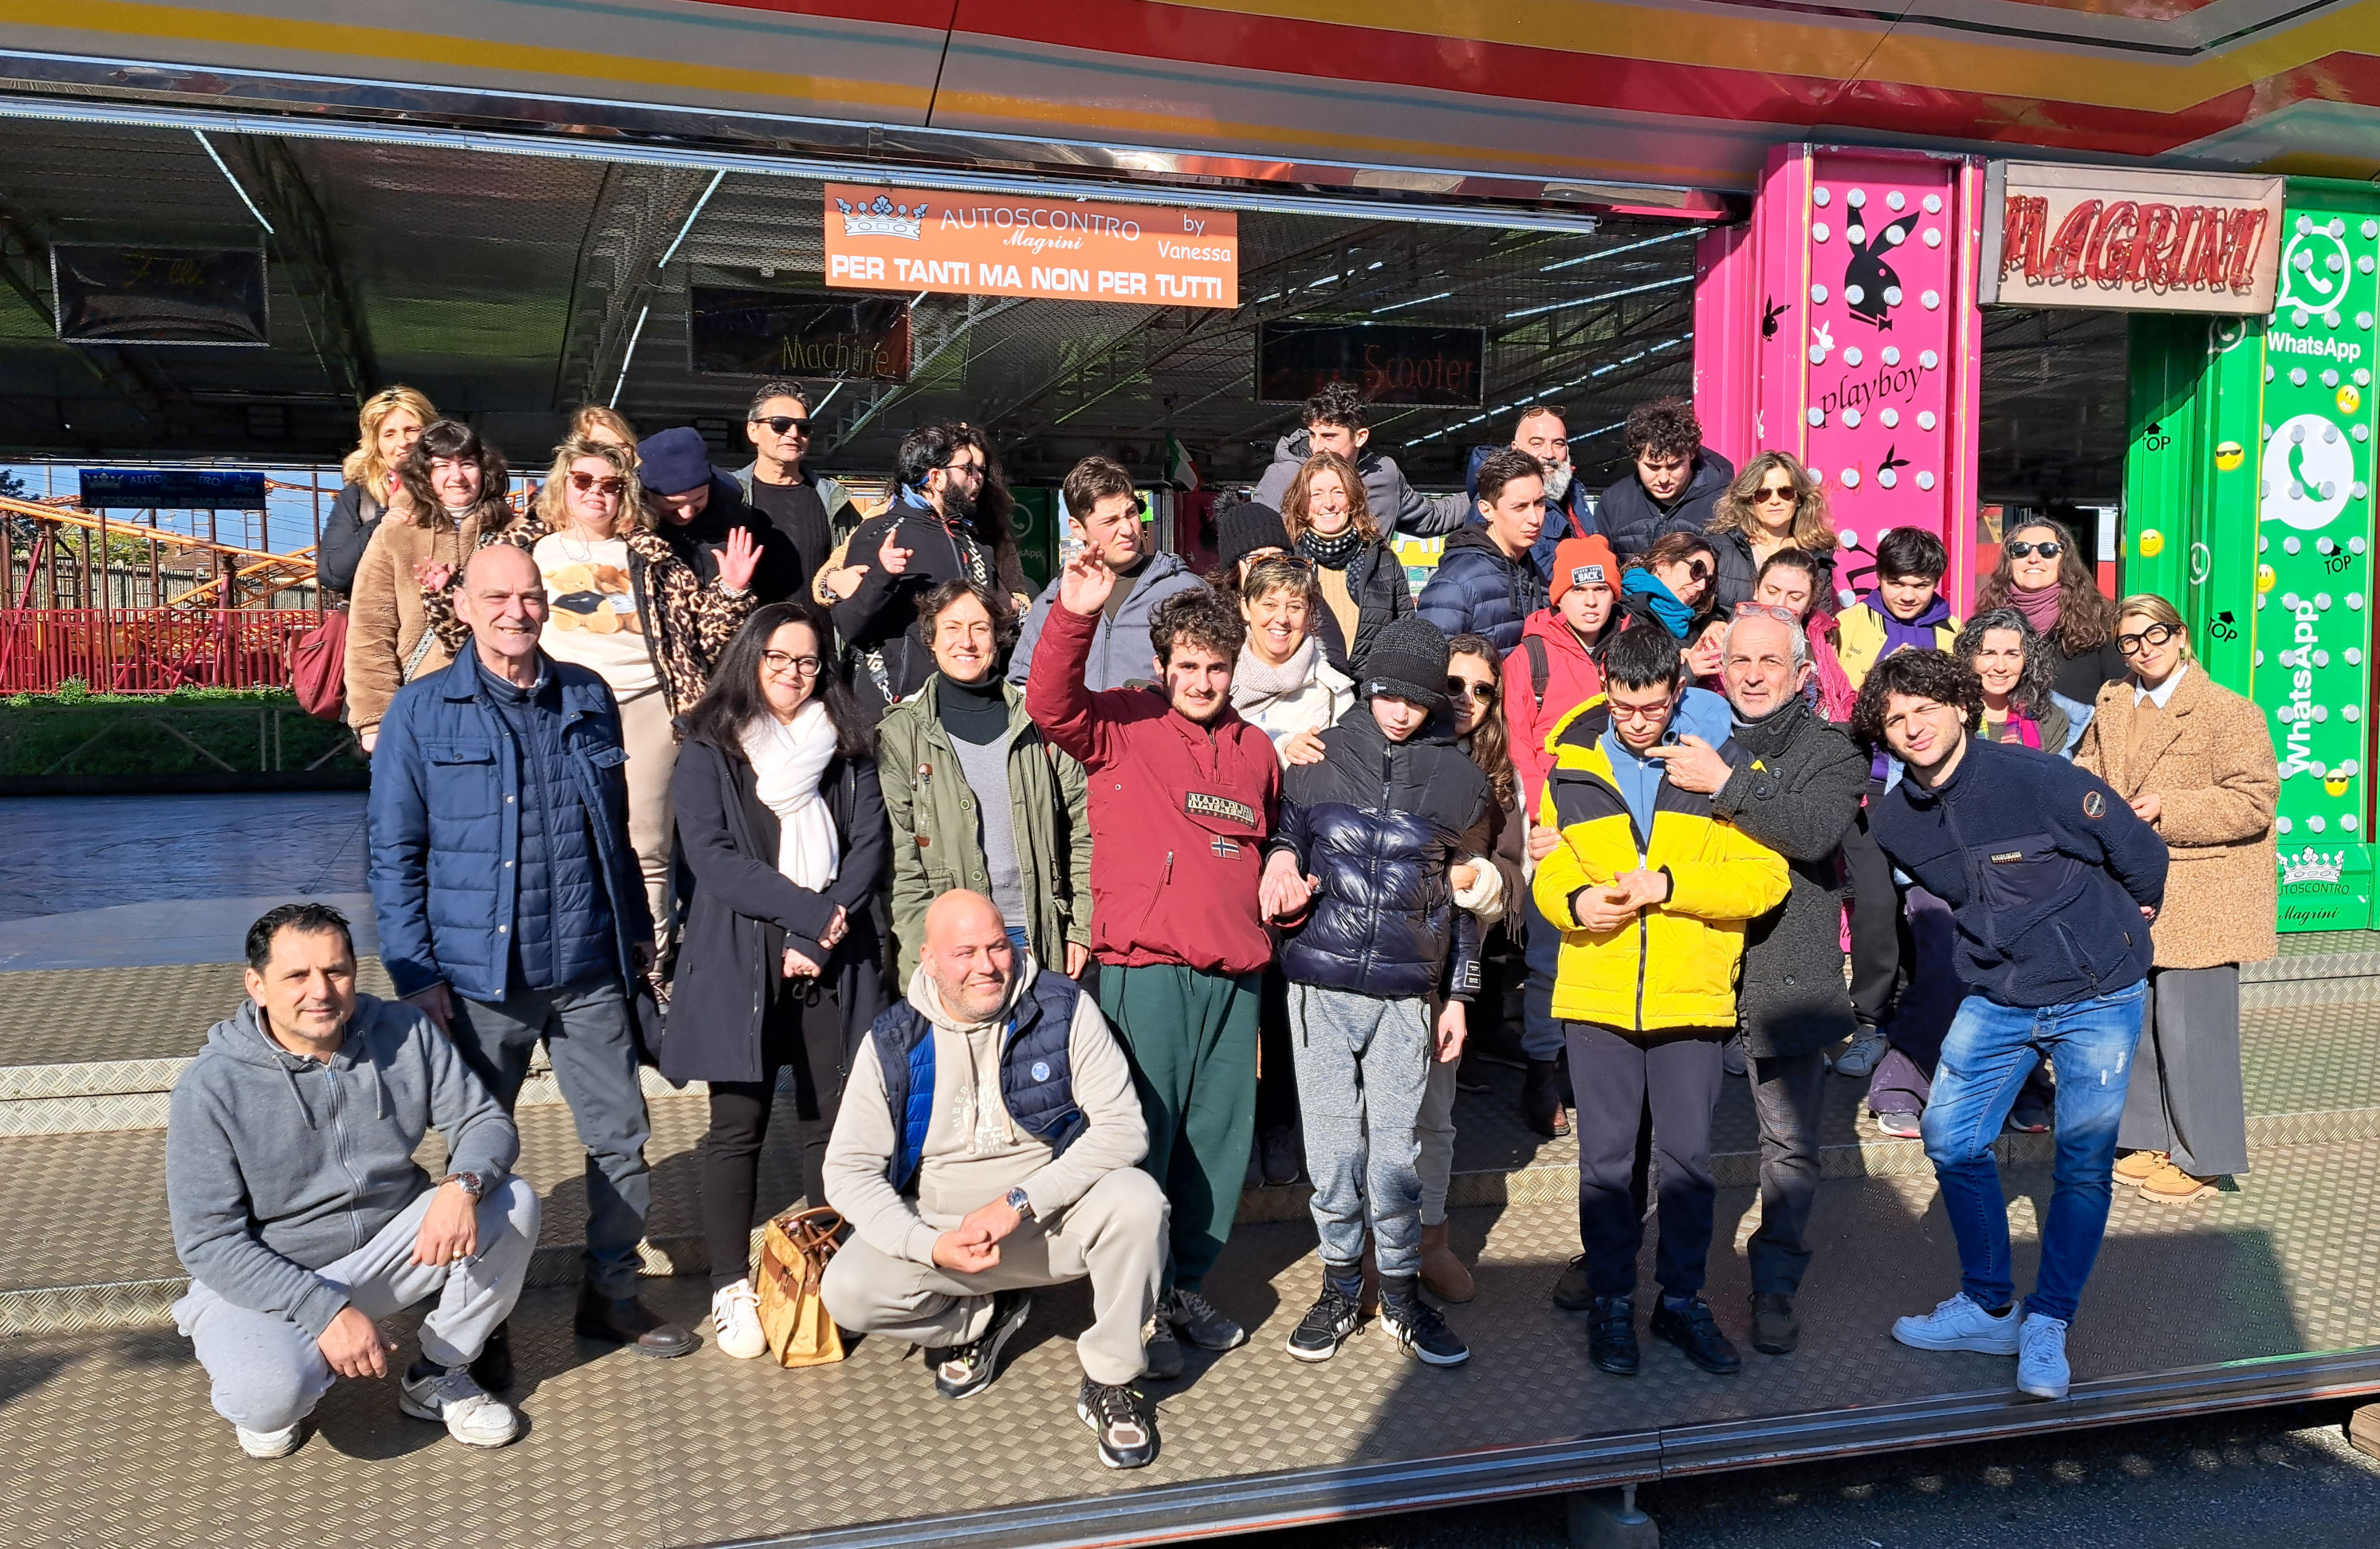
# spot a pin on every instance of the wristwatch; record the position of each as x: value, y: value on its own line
x: 1021, y: 1204
x: 474, y: 1186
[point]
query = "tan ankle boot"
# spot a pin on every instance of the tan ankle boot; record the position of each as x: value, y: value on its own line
x: 1441, y: 1271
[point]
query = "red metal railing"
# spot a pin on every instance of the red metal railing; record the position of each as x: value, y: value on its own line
x: 148, y: 650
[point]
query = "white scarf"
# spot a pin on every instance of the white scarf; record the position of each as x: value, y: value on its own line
x: 788, y: 760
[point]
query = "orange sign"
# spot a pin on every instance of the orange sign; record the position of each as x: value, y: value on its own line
x: 1057, y: 249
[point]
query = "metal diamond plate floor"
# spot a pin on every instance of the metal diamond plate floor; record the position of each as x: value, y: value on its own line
x: 114, y: 1443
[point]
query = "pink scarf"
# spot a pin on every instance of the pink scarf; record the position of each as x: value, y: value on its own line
x: 2040, y: 608
x: 1831, y: 686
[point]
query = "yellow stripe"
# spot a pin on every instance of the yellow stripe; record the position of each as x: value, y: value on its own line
x: 191, y: 24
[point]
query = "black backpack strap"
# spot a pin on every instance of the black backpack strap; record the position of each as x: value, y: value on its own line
x: 1541, y: 670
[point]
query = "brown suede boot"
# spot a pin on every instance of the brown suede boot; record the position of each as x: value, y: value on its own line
x: 1442, y: 1274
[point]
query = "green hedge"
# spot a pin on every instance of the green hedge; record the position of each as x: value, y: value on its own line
x: 211, y: 731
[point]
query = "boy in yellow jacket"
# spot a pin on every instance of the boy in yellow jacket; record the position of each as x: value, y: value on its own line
x: 1651, y: 894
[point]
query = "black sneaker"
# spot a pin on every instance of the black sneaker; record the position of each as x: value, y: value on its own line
x: 1696, y: 1332
x: 1775, y: 1330
x: 1571, y: 1292
x: 1160, y: 1352
x: 1611, y: 1335
x: 1420, y: 1332
x: 1325, y: 1324
x: 1196, y: 1319
x: 963, y: 1370
x: 1126, y: 1429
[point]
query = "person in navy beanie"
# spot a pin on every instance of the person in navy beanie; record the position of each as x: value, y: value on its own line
x: 699, y: 507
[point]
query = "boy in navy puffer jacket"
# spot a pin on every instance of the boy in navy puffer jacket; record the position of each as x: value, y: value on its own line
x: 1378, y: 866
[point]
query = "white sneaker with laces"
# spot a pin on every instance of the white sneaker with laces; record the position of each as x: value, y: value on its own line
x: 736, y: 1321
x: 470, y: 1416
x: 2041, y: 1369
x: 271, y: 1444
x: 1960, y: 1324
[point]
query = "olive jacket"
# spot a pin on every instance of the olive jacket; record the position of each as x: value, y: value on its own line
x: 2209, y: 759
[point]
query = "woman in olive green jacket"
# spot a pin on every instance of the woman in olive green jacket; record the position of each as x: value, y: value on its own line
x: 978, y: 798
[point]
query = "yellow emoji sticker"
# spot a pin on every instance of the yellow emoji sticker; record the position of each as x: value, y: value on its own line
x: 2152, y: 544
x: 2263, y: 577
x: 2228, y: 456
x: 2349, y: 400
x: 2335, y: 785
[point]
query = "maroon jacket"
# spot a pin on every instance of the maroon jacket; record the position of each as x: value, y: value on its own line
x: 1179, y: 813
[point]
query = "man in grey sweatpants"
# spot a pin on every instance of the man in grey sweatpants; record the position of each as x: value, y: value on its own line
x: 301, y: 1216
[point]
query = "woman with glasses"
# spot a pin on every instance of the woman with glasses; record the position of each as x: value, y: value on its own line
x: 783, y: 827
x: 1772, y: 505
x: 1284, y: 686
x: 2042, y: 574
x: 389, y: 422
x: 1670, y: 584
x: 1361, y: 582
x: 2196, y: 761
x: 2017, y: 668
x: 621, y: 603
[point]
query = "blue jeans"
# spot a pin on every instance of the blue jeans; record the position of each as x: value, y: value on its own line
x: 1989, y: 1051
x: 1016, y: 940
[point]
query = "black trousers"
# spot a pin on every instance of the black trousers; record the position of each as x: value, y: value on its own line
x: 1276, y: 1062
x: 804, y: 1030
x: 1620, y: 1080
x: 1875, y: 924
x: 1787, y: 1091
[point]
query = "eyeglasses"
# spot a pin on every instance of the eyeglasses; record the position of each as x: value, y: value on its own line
x: 1654, y: 711
x: 610, y: 484
x: 2152, y: 636
x: 783, y: 424
x: 1766, y: 610
x: 1295, y: 561
x: 1779, y: 492
x: 1460, y: 687
x: 2048, y: 548
x: 964, y: 470
x: 782, y: 662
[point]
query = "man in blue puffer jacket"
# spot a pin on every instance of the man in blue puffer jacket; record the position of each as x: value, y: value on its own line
x: 1488, y: 581
x: 1379, y: 851
x: 511, y: 908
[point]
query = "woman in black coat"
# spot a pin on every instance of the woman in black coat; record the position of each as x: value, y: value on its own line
x: 780, y: 829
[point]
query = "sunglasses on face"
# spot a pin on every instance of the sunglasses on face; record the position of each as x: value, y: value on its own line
x: 1779, y: 492
x: 1460, y: 687
x: 610, y: 484
x: 782, y: 661
x: 1766, y: 610
x: 2150, y: 638
x: 1698, y: 569
x: 784, y: 425
x: 2047, y: 548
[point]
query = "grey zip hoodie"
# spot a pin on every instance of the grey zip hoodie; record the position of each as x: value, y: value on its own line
x: 277, y: 1165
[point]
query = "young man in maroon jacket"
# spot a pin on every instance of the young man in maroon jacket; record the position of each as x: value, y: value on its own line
x: 1182, y: 798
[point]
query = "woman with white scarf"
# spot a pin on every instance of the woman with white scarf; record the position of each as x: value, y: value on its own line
x: 781, y: 827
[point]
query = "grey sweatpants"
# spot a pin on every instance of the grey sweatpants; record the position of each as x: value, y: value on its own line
x: 1437, y: 1127
x: 2187, y: 1097
x: 1115, y: 1235
x: 1362, y: 1069
x: 269, y: 1373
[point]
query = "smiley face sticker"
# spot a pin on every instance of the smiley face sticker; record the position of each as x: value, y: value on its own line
x: 2229, y: 455
x: 2263, y: 577
x: 2152, y: 544
x: 2350, y: 398
x: 2336, y: 784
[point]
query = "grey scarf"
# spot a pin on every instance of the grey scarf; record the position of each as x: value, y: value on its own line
x: 1256, y: 680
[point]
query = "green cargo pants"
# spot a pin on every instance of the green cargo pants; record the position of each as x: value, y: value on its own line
x: 1192, y: 1038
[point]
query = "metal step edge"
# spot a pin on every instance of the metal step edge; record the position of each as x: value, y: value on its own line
x: 2311, y: 965
x: 1264, y: 1503
x: 2268, y: 995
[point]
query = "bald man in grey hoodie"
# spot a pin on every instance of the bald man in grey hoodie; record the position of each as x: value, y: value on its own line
x: 988, y: 1143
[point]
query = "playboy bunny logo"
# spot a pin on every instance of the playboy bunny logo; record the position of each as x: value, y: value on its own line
x: 1871, y: 287
x: 1769, y: 314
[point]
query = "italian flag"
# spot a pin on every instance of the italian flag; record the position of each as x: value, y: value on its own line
x: 1179, y: 469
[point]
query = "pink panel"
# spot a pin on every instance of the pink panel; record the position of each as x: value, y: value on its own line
x: 1727, y: 330
x: 1865, y: 341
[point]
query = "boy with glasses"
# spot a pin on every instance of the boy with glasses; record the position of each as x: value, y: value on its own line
x: 809, y: 511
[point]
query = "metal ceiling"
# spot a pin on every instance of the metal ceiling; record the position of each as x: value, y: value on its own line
x: 513, y: 287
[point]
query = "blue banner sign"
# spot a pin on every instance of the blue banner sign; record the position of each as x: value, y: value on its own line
x: 171, y: 489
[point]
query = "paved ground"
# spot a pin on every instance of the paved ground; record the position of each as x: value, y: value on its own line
x: 2283, y: 1478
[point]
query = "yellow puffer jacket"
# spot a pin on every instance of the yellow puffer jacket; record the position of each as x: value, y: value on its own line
x: 1861, y: 639
x: 1675, y: 964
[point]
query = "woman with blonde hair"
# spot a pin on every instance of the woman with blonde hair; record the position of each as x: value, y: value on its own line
x: 1363, y: 585
x: 621, y: 603
x: 2197, y: 763
x: 452, y: 501
x: 598, y: 422
x: 386, y: 427
x: 1773, y: 504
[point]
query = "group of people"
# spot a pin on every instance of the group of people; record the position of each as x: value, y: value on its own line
x: 1058, y: 940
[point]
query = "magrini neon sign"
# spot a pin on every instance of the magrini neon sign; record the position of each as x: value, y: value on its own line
x: 2131, y: 240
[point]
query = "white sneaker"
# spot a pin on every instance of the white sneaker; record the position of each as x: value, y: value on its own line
x: 736, y: 1321
x: 470, y: 1416
x: 271, y: 1444
x: 2041, y: 1369
x: 1959, y: 1324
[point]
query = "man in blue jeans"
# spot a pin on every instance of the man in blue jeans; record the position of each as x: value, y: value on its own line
x: 2052, y: 882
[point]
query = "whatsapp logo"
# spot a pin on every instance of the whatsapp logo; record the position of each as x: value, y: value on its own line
x: 2309, y: 473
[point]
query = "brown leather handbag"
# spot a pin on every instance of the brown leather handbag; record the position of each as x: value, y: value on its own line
x: 794, y: 1253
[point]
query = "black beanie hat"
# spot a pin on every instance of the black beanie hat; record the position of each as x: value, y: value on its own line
x: 1249, y: 526
x: 1408, y: 659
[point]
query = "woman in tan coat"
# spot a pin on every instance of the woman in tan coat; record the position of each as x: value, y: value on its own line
x: 450, y: 500
x: 2196, y: 761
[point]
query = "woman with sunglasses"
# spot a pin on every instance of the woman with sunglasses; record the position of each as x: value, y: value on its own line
x: 621, y: 603
x: 1671, y: 582
x: 1359, y: 579
x: 783, y: 824
x: 2041, y: 574
x: 1284, y: 686
x: 2196, y: 762
x: 1773, y: 504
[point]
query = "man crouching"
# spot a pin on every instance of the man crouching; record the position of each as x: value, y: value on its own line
x: 989, y: 1143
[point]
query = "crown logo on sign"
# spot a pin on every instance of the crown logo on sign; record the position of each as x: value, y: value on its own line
x: 882, y: 217
x: 2312, y: 865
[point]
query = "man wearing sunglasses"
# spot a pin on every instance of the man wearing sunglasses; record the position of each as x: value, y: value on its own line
x: 812, y: 512
x: 926, y: 537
